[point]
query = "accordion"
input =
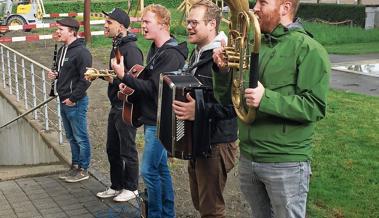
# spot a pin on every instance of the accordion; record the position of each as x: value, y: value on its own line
x: 183, y: 139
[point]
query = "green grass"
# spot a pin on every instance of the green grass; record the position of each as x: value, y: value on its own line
x: 345, y: 180
x: 354, y: 48
x: 343, y: 39
x: 341, y: 34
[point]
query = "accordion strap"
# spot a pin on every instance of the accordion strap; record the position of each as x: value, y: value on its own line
x: 200, y: 63
x: 201, y: 128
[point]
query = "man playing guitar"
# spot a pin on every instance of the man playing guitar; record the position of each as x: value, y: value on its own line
x: 165, y: 55
x: 121, y: 147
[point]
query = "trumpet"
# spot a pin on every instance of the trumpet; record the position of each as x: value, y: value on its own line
x: 92, y: 73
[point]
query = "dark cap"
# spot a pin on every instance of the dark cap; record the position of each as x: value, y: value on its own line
x: 69, y: 22
x: 120, y: 16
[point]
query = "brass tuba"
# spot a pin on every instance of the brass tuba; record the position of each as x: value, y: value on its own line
x: 242, y: 54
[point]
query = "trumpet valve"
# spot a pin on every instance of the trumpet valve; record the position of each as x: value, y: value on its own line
x: 233, y: 65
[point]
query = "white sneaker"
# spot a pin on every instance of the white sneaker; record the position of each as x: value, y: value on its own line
x: 126, y: 195
x: 108, y: 193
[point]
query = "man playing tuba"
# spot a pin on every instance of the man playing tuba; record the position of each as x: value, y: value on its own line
x: 294, y: 73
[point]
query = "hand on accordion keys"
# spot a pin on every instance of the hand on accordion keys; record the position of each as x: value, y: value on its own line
x: 185, y: 110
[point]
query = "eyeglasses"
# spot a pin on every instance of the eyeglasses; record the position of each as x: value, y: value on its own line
x: 194, y: 23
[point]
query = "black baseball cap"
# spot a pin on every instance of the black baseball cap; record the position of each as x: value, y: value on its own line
x: 120, y: 16
x: 69, y: 22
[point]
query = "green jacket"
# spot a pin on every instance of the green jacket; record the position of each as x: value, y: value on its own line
x: 295, y: 71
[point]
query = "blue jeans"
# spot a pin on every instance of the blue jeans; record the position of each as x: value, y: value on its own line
x: 75, y: 125
x: 156, y: 175
x: 276, y: 190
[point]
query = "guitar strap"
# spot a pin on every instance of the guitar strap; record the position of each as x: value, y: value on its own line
x: 159, y: 52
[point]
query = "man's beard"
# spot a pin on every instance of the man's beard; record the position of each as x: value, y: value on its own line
x: 270, y: 21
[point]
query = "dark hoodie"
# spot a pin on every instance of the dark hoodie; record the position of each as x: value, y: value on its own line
x: 132, y: 56
x: 223, y: 118
x: 169, y: 57
x: 72, y: 63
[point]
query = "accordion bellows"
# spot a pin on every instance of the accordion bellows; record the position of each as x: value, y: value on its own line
x: 181, y: 138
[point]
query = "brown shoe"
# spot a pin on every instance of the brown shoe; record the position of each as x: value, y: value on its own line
x: 70, y: 172
x: 80, y: 175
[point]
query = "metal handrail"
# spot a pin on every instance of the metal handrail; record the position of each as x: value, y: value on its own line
x: 25, y: 78
x: 25, y: 57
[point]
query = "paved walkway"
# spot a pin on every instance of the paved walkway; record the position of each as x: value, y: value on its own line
x: 50, y: 197
x: 354, y: 82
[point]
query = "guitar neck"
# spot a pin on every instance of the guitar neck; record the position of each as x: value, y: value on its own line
x: 117, y: 54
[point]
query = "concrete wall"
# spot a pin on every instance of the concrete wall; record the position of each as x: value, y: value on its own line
x: 20, y: 143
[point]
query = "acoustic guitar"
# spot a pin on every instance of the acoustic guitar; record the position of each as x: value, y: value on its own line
x: 131, y: 112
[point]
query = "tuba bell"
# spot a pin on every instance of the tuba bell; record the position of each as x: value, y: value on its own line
x: 242, y: 55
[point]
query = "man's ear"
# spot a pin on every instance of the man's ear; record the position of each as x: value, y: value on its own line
x: 213, y: 23
x: 286, y: 8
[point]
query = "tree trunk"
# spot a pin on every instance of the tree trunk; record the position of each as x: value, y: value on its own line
x: 87, y: 17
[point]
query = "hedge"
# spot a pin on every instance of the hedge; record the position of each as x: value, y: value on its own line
x: 330, y: 12
x: 307, y: 11
x: 333, y: 12
x: 98, y: 6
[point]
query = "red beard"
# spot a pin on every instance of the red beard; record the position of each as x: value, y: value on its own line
x: 269, y: 20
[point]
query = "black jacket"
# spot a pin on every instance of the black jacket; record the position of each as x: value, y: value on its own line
x: 72, y: 63
x: 223, y: 118
x: 132, y: 56
x: 169, y: 57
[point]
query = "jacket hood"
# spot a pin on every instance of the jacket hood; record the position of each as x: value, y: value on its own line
x: 77, y: 42
x: 295, y: 26
x: 216, y: 43
x: 131, y: 37
x: 281, y: 30
x: 180, y: 47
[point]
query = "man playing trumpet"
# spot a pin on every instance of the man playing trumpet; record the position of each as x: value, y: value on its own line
x: 121, y: 146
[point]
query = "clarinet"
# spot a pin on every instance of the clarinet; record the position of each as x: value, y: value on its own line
x: 54, y: 69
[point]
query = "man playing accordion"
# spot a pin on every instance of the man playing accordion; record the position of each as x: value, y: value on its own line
x: 208, y: 174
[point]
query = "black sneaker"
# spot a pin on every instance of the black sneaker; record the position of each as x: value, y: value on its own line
x: 70, y: 172
x: 80, y: 175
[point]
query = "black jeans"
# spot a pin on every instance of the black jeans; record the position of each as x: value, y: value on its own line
x: 122, y: 152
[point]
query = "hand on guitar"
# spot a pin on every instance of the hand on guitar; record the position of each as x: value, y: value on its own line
x: 122, y: 86
x: 185, y: 110
x: 118, y: 68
